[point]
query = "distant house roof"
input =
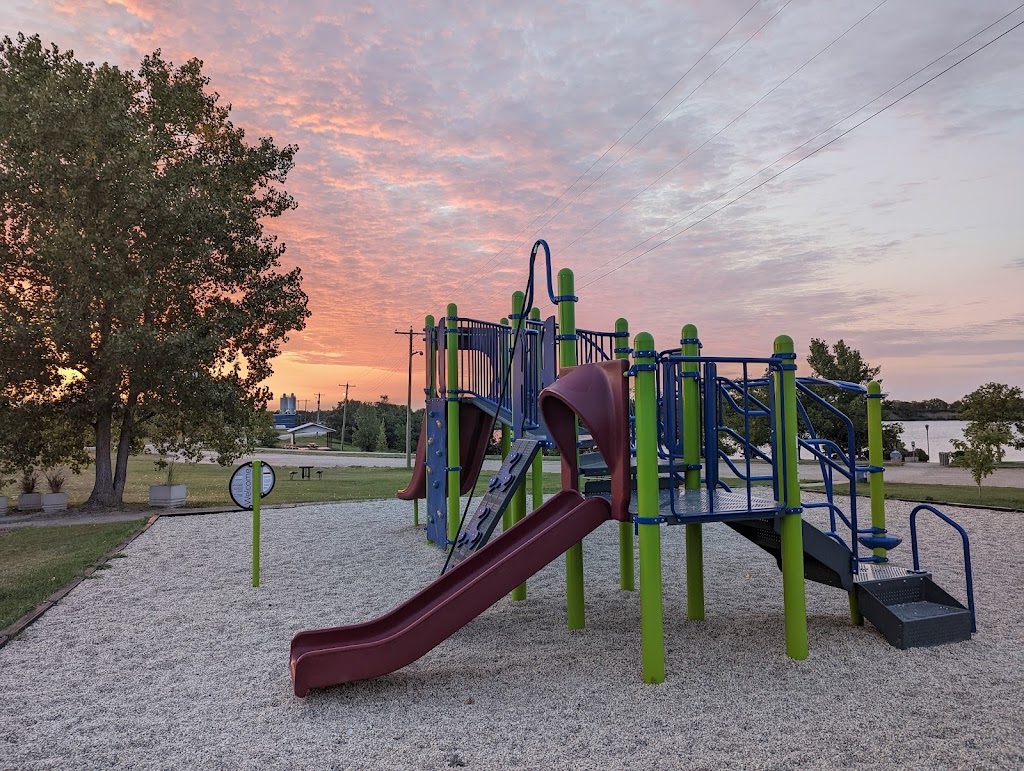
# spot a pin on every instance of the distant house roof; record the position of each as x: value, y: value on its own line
x: 312, y: 428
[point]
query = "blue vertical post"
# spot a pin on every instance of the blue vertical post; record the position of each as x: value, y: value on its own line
x: 518, y: 505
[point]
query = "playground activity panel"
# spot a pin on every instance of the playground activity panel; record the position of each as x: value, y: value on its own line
x: 645, y: 464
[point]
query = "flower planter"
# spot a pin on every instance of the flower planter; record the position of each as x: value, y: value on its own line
x: 167, y: 496
x: 54, y: 502
x: 30, y: 501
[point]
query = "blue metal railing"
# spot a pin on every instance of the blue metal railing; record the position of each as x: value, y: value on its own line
x: 967, y: 552
x: 594, y: 346
x: 719, y: 395
x: 484, y: 352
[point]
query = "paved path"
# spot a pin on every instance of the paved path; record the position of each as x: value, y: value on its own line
x: 911, y: 473
x: 340, y: 459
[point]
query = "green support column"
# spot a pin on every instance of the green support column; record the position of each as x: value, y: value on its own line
x: 452, y: 353
x: 537, y: 470
x: 567, y: 358
x: 518, y: 504
x: 652, y: 621
x: 257, y: 489
x: 691, y: 456
x: 877, y: 483
x: 627, y: 570
x: 794, y: 598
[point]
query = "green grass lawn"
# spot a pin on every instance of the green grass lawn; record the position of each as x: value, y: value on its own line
x: 208, y: 483
x: 36, y: 561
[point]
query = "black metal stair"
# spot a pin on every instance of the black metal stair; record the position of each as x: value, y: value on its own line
x: 910, y: 609
x: 907, y: 607
x: 826, y: 561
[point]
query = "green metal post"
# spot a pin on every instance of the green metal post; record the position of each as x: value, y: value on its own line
x: 691, y: 456
x: 652, y: 621
x: 537, y: 470
x: 518, y: 505
x: 877, y: 483
x: 567, y: 358
x: 627, y: 569
x: 452, y: 351
x: 793, y: 595
x: 257, y: 489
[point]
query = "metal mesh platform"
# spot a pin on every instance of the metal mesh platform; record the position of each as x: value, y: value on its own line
x: 870, y: 572
x: 701, y: 506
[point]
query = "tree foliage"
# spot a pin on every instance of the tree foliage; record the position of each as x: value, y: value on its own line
x: 392, y: 416
x: 140, y: 291
x: 995, y: 412
x: 982, y: 447
x: 844, y: 364
x: 997, y: 404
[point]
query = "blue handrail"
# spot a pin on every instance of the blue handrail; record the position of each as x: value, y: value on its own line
x: 967, y: 551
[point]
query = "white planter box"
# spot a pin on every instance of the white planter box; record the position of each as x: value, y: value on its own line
x: 54, y: 502
x: 30, y: 501
x: 167, y: 496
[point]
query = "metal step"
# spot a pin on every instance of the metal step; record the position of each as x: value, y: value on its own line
x: 826, y: 561
x: 912, y: 611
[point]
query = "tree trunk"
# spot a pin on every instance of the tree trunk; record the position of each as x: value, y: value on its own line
x: 103, y: 487
x: 124, y: 444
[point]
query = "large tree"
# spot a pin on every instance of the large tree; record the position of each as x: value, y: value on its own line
x: 844, y: 364
x: 139, y: 286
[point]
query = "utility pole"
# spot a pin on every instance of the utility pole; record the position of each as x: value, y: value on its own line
x: 344, y: 414
x: 318, y: 407
x: 408, y: 402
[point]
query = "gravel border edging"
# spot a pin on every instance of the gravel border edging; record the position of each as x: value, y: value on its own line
x: 21, y: 624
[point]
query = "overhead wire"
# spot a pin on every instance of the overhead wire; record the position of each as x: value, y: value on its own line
x: 809, y: 155
x: 612, y: 146
x: 667, y: 115
x: 724, y: 128
x: 655, y: 126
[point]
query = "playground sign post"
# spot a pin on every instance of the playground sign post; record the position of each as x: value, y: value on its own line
x: 247, y: 495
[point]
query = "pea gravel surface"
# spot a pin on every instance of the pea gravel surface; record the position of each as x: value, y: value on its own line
x: 171, y: 659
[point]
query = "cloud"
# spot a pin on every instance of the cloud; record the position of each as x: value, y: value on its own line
x: 435, y: 141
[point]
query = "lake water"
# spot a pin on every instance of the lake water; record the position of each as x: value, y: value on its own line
x: 938, y: 437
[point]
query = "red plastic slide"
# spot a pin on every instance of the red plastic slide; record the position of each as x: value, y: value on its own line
x: 346, y: 653
x: 474, y: 432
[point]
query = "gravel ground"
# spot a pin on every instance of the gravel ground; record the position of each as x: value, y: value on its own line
x: 171, y: 660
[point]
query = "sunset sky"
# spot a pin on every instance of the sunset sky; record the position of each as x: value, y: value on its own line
x: 438, y: 140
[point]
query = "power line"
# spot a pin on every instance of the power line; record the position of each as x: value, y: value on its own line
x: 605, y: 153
x: 655, y: 126
x: 718, y: 133
x: 809, y: 155
x: 668, y: 114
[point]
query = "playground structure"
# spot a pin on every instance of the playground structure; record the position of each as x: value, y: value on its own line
x: 657, y: 462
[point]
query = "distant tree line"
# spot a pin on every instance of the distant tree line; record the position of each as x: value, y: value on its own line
x: 927, y: 409
x: 373, y: 426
